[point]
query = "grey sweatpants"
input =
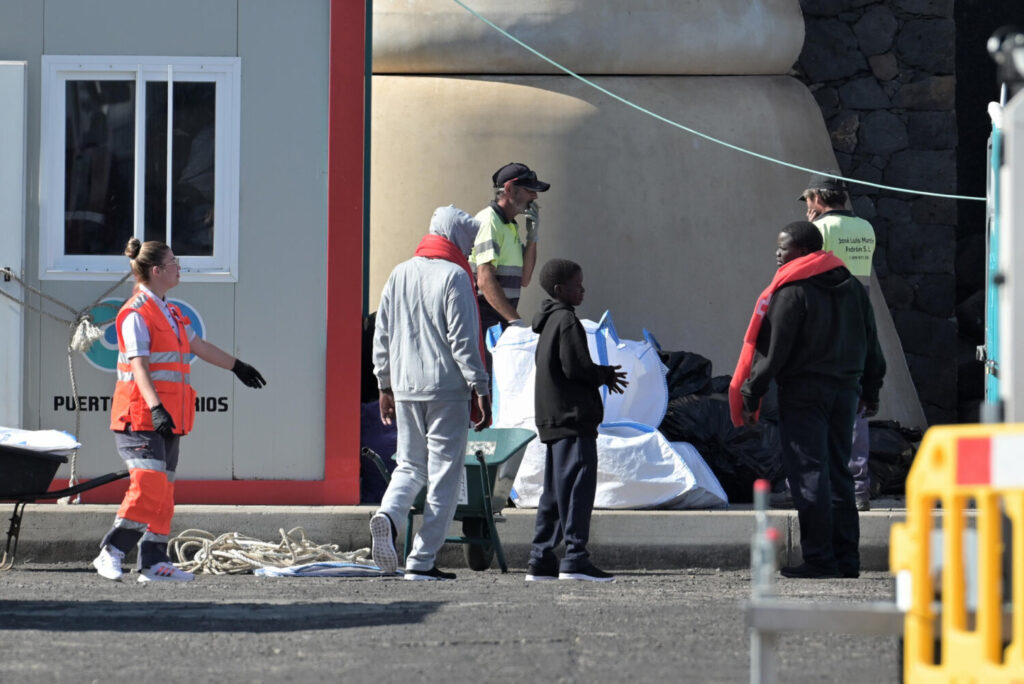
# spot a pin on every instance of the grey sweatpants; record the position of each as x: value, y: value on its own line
x: 432, y: 438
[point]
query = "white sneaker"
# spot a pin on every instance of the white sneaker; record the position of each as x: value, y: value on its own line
x: 164, y: 572
x: 108, y: 563
x: 383, y: 546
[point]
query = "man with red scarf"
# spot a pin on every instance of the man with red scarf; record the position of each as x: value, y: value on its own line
x: 813, y: 332
x: 428, y: 359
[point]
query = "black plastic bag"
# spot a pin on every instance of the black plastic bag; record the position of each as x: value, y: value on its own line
x: 737, y: 455
x: 720, y: 384
x: 892, y: 449
x: 688, y: 373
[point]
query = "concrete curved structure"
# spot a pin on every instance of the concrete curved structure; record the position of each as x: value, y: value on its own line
x: 675, y: 233
x: 723, y: 37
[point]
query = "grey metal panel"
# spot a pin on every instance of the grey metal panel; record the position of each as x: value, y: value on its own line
x: 21, y: 29
x: 13, y: 108
x: 141, y: 27
x: 280, y: 299
x: 1011, y: 293
x: 21, y: 38
x: 274, y: 316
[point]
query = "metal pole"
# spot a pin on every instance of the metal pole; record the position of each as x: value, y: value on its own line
x: 762, y: 571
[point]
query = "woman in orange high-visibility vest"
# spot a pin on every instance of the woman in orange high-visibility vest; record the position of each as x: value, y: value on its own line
x: 154, y: 405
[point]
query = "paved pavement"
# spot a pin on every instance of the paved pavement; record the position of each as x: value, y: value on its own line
x: 62, y: 623
x: 619, y: 539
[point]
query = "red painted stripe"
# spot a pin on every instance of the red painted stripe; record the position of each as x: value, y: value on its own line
x: 230, y: 492
x: 974, y: 461
x: 344, y: 254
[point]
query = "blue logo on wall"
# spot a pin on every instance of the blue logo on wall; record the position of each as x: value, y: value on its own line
x: 103, y: 353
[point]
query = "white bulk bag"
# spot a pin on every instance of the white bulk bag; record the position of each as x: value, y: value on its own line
x: 644, y: 400
x: 637, y: 468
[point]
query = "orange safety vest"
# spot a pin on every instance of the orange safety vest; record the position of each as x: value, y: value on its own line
x: 168, y: 369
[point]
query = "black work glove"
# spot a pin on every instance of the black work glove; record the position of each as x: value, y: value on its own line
x: 163, y: 424
x: 249, y: 376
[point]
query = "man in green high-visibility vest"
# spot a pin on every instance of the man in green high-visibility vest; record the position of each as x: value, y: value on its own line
x: 504, y: 262
x: 852, y: 239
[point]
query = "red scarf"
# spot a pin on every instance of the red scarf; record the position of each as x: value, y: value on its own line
x: 436, y: 247
x: 800, y: 268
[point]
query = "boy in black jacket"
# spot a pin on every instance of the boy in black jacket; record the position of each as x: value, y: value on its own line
x: 568, y: 410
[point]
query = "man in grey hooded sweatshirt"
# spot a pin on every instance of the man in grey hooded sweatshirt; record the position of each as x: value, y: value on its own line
x: 428, y: 359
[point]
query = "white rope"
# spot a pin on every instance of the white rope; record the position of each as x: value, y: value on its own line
x: 232, y: 553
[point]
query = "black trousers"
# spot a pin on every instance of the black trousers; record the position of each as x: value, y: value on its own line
x: 816, y: 427
x: 570, y: 483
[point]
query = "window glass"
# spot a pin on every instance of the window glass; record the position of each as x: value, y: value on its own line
x: 155, y: 200
x: 99, y: 162
x: 193, y: 175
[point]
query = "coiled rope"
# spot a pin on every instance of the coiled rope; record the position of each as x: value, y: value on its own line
x: 232, y: 553
x: 83, y: 332
x: 695, y: 132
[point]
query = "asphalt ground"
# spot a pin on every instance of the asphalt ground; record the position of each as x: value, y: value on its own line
x: 62, y: 623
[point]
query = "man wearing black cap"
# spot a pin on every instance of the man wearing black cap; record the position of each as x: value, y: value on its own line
x: 852, y: 239
x: 503, y: 263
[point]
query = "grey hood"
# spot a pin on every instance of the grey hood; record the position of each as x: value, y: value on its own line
x: 456, y: 226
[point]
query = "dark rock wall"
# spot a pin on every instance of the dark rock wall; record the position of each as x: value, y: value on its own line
x: 884, y: 74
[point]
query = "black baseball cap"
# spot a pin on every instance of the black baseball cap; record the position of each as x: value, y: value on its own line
x: 519, y: 174
x: 820, y: 181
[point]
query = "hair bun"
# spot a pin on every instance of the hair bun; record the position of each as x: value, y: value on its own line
x: 131, y: 250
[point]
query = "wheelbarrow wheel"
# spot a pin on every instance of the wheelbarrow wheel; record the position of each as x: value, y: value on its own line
x: 478, y: 556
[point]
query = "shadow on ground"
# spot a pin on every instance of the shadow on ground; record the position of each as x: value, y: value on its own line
x: 205, y: 616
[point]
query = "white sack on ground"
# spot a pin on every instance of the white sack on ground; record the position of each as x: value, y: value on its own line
x: 637, y: 467
x: 644, y: 400
x: 55, y: 442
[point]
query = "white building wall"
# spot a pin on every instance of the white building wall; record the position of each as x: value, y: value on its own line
x: 273, y: 316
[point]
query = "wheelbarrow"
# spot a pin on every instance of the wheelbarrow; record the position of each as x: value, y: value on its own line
x: 493, y: 456
x: 25, y: 476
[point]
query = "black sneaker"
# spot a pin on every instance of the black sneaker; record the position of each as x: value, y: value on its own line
x: 588, y: 573
x: 807, y: 571
x: 538, y: 574
x: 849, y: 573
x: 382, y: 532
x: 432, y: 574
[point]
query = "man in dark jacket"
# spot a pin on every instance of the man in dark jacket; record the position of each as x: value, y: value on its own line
x: 568, y: 410
x: 818, y: 341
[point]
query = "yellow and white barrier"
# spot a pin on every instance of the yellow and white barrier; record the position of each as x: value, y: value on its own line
x: 975, y: 475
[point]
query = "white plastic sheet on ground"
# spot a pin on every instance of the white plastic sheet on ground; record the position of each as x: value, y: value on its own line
x: 637, y: 467
x: 55, y: 442
x: 325, y: 569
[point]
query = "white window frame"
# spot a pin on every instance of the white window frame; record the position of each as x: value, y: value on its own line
x: 226, y: 72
